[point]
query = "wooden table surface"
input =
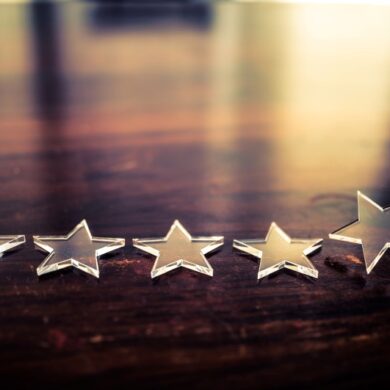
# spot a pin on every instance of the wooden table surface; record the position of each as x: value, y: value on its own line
x: 227, y: 117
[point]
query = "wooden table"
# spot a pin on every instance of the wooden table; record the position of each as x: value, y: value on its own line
x: 227, y: 117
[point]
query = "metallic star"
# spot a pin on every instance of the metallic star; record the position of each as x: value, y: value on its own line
x: 279, y: 251
x: 179, y: 249
x: 9, y: 242
x: 78, y: 249
x: 371, y: 230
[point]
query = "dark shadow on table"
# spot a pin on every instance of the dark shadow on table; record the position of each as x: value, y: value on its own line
x: 131, y: 15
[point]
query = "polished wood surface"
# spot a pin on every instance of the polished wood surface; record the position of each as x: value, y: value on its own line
x: 226, y: 117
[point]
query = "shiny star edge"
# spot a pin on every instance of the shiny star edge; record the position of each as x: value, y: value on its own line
x: 179, y: 249
x: 371, y: 216
x: 63, y: 251
x: 278, y: 250
x: 8, y: 243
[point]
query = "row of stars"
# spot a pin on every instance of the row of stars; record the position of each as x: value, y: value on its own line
x: 178, y: 248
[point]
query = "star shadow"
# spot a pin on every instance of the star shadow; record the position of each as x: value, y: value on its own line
x: 286, y: 271
x: 112, y: 254
x: 11, y: 251
x: 62, y: 273
x: 181, y: 271
x: 296, y: 275
x: 170, y: 274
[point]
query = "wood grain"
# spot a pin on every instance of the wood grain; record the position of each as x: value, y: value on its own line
x: 225, y: 117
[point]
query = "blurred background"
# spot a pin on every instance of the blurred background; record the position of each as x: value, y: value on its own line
x: 312, y: 80
x: 225, y: 115
x: 286, y: 97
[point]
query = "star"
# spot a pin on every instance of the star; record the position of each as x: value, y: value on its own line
x: 279, y: 251
x: 371, y: 230
x: 77, y: 249
x: 179, y: 249
x: 9, y: 242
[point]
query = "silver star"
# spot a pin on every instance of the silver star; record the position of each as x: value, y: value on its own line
x: 279, y: 251
x: 77, y: 249
x: 179, y: 249
x: 371, y: 230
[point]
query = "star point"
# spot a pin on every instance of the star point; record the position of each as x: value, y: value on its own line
x: 78, y: 249
x: 8, y: 243
x: 278, y: 250
x: 179, y: 249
